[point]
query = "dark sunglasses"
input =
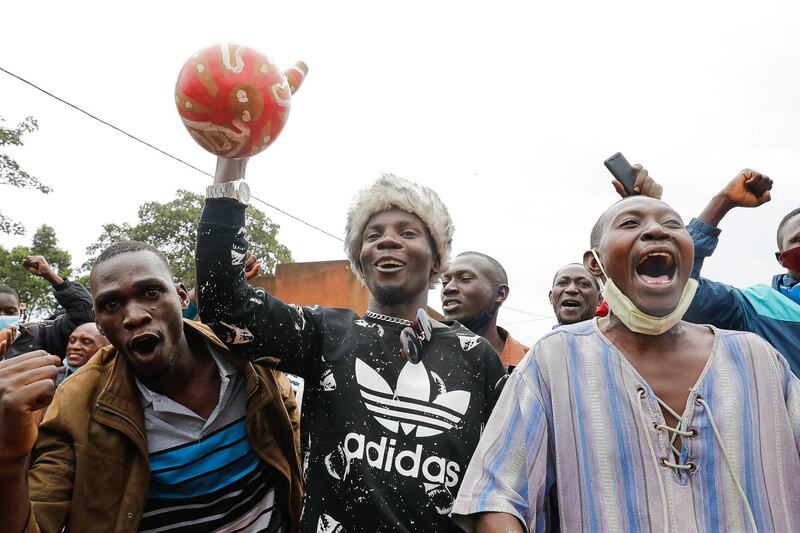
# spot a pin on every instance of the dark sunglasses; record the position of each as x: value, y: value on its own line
x: 412, y: 337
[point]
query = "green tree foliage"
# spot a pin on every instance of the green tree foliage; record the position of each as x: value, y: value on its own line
x: 10, y: 172
x: 33, y: 290
x: 172, y: 228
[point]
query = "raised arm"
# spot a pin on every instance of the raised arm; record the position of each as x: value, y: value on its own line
x: 71, y: 295
x: 252, y: 323
x: 251, y: 269
x: 718, y: 303
x: 52, y: 335
x: 749, y: 188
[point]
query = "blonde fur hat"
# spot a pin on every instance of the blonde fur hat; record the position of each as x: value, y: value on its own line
x: 390, y: 191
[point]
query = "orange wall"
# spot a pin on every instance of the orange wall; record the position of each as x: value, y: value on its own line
x: 324, y: 283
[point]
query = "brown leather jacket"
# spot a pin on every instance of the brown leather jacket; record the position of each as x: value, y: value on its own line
x: 90, y: 468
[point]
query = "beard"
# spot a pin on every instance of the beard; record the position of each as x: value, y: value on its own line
x: 390, y: 294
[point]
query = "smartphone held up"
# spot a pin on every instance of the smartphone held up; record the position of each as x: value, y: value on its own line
x: 622, y: 171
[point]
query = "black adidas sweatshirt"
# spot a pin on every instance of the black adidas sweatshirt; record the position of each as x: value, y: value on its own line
x: 385, y: 442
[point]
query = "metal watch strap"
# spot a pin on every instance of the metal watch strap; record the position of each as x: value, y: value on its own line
x: 236, y: 190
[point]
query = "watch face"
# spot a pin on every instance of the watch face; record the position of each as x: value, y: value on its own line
x: 244, y: 193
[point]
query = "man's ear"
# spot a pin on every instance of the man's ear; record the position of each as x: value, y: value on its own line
x: 183, y: 294
x: 436, y: 269
x: 99, y: 327
x: 550, y: 297
x: 591, y: 264
x: 501, y: 294
x: 778, y: 257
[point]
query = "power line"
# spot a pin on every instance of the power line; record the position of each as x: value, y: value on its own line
x: 159, y: 150
x: 537, y: 319
x: 526, y: 312
x: 179, y: 160
x: 309, y: 224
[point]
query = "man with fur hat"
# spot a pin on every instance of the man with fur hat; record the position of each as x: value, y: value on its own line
x: 385, y: 439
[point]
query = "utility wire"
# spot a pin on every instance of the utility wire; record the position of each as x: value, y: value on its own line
x: 179, y: 160
x: 526, y: 312
x: 309, y: 224
x: 159, y: 150
x: 529, y: 320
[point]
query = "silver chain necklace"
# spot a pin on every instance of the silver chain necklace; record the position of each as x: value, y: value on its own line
x: 386, y: 318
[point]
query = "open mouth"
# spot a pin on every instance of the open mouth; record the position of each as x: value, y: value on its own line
x: 389, y: 265
x: 144, y: 344
x: 656, y: 268
x: 74, y: 358
x: 449, y: 305
x: 569, y: 302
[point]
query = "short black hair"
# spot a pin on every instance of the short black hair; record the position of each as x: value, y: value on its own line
x: 500, y: 276
x: 599, y: 226
x: 782, y: 226
x: 124, y: 247
x: 594, y: 279
x: 5, y: 289
x: 597, y: 229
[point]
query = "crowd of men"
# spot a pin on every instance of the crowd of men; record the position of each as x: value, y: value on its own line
x: 660, y: 401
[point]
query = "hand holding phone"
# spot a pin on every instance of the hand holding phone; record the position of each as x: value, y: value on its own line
x: 632, y: 180
x: 622, y: 171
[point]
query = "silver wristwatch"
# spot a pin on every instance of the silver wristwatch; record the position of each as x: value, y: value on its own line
x: 237, y: 190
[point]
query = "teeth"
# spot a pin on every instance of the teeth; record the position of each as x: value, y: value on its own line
x: 389, y: 263
x: 656, y: 254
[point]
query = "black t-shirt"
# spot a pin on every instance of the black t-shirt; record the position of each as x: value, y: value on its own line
x: 385, y: 442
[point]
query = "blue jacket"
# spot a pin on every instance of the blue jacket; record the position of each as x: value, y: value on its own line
x: 762, y: 309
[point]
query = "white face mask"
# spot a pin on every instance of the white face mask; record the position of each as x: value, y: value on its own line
x: 637, y: 320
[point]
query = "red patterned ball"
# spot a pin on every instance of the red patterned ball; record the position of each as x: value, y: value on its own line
x: 234, y: 100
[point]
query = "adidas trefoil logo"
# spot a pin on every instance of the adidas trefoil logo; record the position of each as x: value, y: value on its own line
x: 364, y: 324
x: 233, y: 334
x: 326, y: 524
x: 411, y: 407
x: 469, y: 342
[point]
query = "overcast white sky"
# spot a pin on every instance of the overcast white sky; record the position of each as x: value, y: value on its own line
x: 507, y: 109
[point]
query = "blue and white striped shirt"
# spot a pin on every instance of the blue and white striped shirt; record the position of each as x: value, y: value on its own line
x: 205, y: 476
x: 577, y: 425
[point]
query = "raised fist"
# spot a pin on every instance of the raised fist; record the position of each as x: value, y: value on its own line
x: 37, y: 265
x: 27, y: 385
x: 6, y: 338
x: 749, y: 188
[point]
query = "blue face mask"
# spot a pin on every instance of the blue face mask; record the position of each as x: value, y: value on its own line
x: 8, y: 321
x: 69, y: 369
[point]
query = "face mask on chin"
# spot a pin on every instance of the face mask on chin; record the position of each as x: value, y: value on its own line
x: 637, y: 320
x: 479, y: 323
x: 69, y: 368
